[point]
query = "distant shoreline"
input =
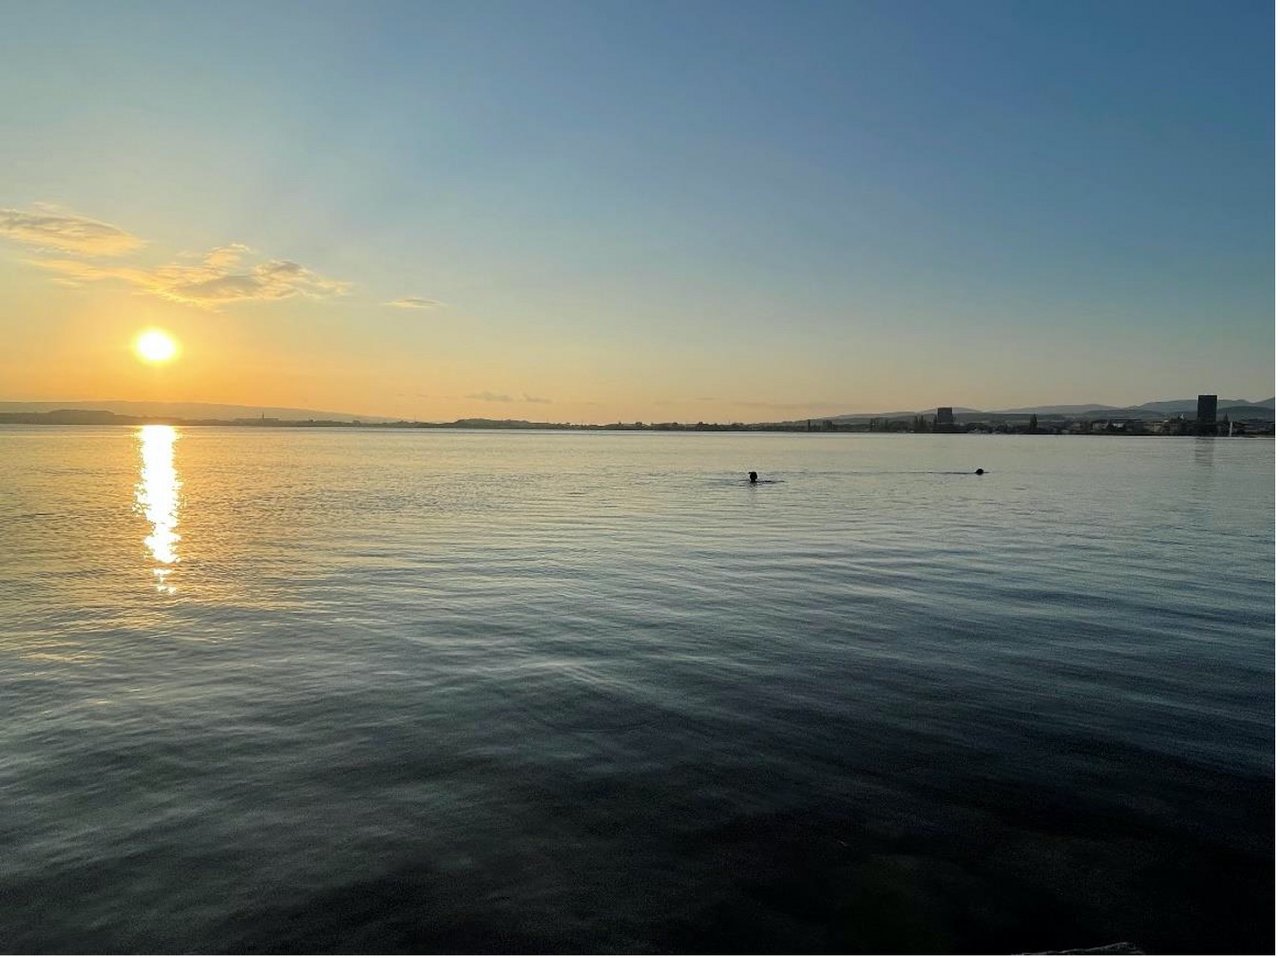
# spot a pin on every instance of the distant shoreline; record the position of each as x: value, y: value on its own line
x: 1004, y: 425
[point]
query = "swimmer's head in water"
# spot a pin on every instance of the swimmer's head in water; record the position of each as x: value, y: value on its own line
x: 751, y: 477
x: 980, y: 472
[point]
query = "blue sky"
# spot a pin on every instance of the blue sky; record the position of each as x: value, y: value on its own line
x: 645, y: 210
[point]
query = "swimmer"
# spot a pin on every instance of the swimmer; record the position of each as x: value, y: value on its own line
x: 752, y: 478
x: 980, y: 472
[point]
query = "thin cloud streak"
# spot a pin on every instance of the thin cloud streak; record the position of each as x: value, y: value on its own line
x: 221, y: 277
x: 816, y: 404
x: 755, y: 404
x: 488, y: 396
x: 49, y: 228
x: 414, y: 302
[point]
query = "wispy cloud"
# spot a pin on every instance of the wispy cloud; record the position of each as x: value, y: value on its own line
x: 487, y: 396
x: 47, y: 227
x: 414, y: 302
x: 221, y: 276
x: 813, y: 404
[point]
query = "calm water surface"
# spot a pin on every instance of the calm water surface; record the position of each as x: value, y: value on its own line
x: 356, y: 690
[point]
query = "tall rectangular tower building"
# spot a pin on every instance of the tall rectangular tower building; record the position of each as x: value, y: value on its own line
x: 1207, y: 408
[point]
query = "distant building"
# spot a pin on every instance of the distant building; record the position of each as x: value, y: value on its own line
x: 946, y: 417
x: 1207, y: 408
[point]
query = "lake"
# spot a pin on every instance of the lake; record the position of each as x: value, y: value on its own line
x: 416, y: 690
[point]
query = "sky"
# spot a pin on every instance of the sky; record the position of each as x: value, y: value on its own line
x: 601, y: 211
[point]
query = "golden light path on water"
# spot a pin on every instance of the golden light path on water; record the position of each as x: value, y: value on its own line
x: 156, y: 497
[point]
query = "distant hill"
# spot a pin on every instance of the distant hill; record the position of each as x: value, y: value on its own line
x: 1169, y: 407
x: 1252, y: 411
x: 1160, y: 409
x: 186, y: 410
x: 1057, y: 410
x: 1176, y: 406
x: 901, y: 414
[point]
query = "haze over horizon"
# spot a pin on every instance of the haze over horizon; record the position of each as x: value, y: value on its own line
x: 592, y: 212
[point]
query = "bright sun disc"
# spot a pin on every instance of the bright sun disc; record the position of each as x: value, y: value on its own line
x: 155, y: 346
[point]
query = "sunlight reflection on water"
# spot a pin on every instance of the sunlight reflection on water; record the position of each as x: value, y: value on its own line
x: 156, y: 497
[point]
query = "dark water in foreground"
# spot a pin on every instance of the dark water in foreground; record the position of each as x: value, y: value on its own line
x: 355, y: 691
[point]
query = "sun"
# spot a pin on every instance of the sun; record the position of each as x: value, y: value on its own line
x: 155, y: 346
